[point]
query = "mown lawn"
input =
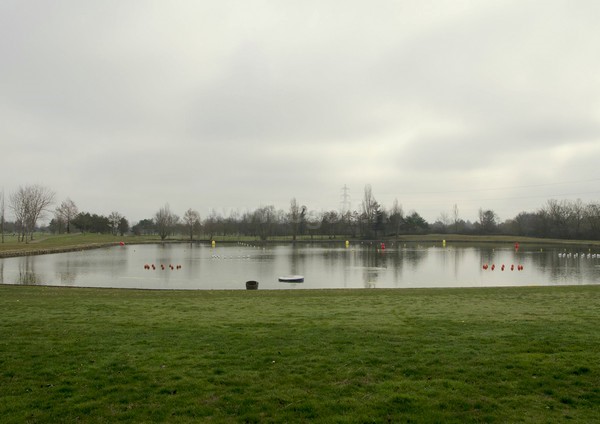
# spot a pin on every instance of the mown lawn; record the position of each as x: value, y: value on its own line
x: 46, y: 243
x: 431, y: 355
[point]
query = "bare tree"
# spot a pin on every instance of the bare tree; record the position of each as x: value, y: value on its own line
x: 294, y: 217
x: 29, y: 204
x: 396, y: 218
x: 370, y: 209
x: 576, y: 217
x: 191, y: 219
x: 264, y: 219
x: 593, y: 219
x: 114, y: 219
x: 456, y: 217
x: 444, y: 219
x: 66, y: 212
x: 488, y: 220
x: 165, y: 220
x: 557, y: 215
x: 2, y: 214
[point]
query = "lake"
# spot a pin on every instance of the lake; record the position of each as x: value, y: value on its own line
x: 324, y: 266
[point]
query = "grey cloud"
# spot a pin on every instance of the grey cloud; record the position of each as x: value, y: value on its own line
x: 229, y: 104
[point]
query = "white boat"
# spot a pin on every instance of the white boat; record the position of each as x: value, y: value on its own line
x: 292, y: 279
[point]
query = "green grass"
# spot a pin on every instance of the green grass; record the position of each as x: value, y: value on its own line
x: 45, y: 243
x: 432, y: 355
x: 48, y: 243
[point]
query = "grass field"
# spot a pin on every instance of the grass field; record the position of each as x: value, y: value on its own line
x: 437, y: 355
x: 48, y: 243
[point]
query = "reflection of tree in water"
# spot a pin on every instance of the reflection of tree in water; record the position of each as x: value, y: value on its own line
x: 488, y: 256
x: 66, y: 273
x: 377, y: 261
x: 374, y: 260
x: 559, y: 269
x: 413, y: 255
x: 27, y: 273
x: 547, y: 262
x: 458, y: 256
x: 449, y: 258
x: 297, y: 260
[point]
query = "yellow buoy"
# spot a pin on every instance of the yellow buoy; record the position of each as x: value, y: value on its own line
x: 214, y: 243
x: 347, y: 243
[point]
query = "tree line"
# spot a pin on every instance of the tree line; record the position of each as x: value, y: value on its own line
x: 556, y: 219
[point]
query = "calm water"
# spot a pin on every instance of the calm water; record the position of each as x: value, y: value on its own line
x: 323, y: 266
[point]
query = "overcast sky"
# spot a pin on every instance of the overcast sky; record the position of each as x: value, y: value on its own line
x: 128, y: 105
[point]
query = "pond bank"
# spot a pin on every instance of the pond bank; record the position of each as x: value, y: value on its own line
x: 73, y: 245
x: 419, y: 355
x: 72, y: 248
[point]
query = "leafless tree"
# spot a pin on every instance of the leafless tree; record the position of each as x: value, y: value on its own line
x: 455, y: 217
x: 66, y: 212
x: 370, y: 209
x: 592, y: 213
x: 369, y: 203
x: 557, y: 215
x: 488, y: 220
x: 2, y: 214
x: 396, y: 217
x: 294, y: 217
x: 265, y: 219
x: 165, y: 220
x: 576, y: 217
x: 114, y: 219
x: 29, y: 204
x: 444, y: 219
x: 191, y: 220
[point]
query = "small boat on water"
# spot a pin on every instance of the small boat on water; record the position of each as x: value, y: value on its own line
x: 292, y: 279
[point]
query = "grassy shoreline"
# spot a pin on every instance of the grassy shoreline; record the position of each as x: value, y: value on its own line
x: 525, y: 354
x: 45, y: 244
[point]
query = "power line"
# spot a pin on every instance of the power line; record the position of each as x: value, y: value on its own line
x: 345, y: 199
x: 499, y: 188
x: 540, y: 196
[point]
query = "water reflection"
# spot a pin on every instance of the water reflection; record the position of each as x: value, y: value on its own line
x: 27, y: 273
x: 66, y: 271
x: 200, y: 266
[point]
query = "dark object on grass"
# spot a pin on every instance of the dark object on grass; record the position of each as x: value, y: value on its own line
x: 251, y: 285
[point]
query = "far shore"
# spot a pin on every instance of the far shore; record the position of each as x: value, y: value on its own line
x: 48, y: 244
